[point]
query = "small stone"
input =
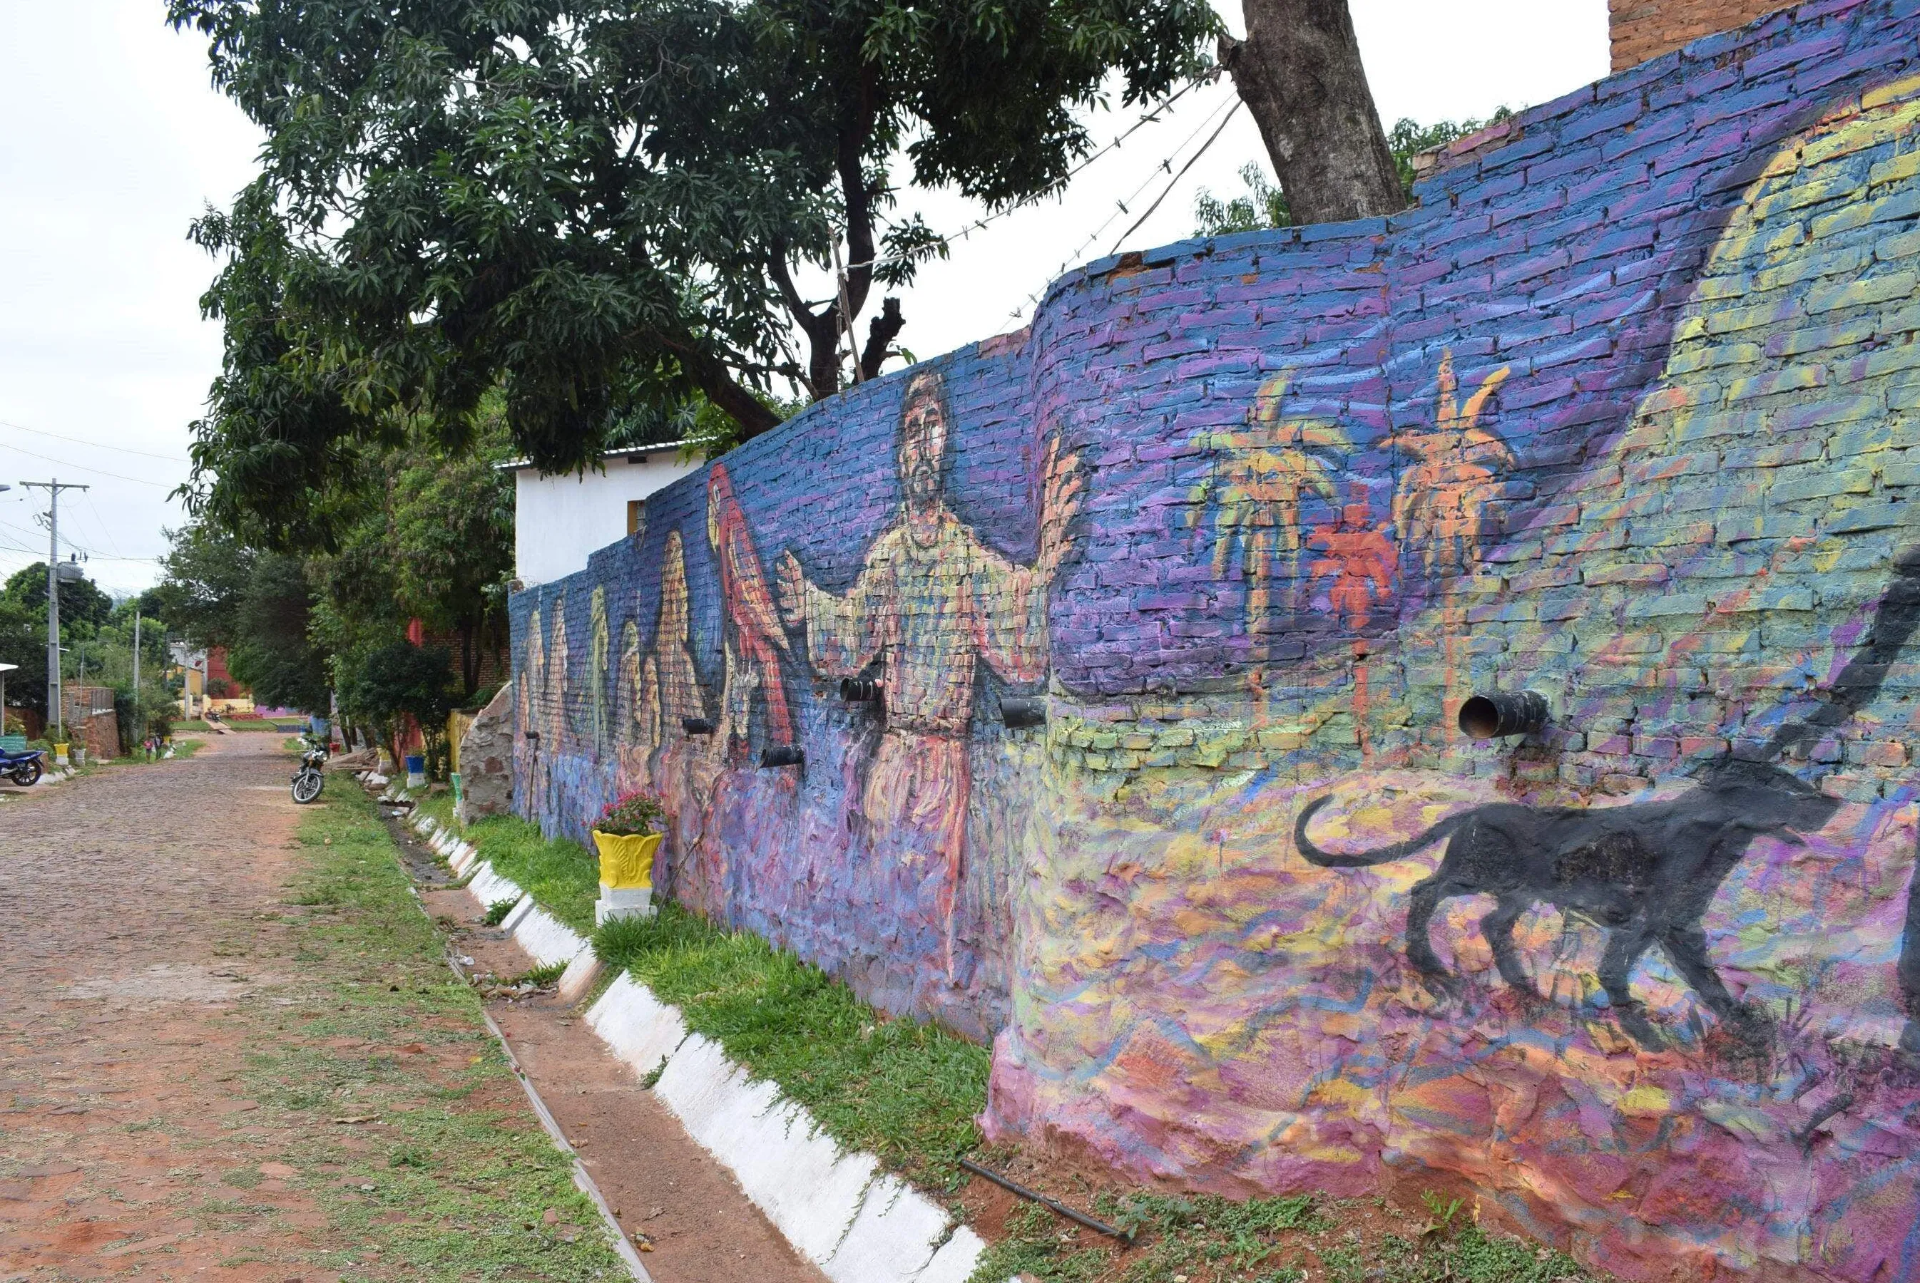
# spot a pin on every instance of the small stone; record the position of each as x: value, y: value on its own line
x: 550, y: 1216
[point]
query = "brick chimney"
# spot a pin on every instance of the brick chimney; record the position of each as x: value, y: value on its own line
x: 1643, y: 29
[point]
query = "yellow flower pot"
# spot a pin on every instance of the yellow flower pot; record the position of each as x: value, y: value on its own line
x: 626, y: 859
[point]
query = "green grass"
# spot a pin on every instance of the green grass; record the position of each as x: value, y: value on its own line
x: 460, y: 1171
x: 1260, y: 1241
x: 1470, y: 1256
x: 187, y: 748
x: 904, y: 1091
x: 907, y: 1092
x: 563, y: 877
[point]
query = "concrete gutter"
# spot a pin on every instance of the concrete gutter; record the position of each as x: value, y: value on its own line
x: 837, y: 1208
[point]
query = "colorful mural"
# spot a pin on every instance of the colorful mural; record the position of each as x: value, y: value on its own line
x: 1094, y: 689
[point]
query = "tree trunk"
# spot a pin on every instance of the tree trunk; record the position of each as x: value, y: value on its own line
x: 1299, y: 73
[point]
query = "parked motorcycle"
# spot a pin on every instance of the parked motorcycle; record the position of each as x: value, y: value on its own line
x: 308, y: 782
x: 22, y: 768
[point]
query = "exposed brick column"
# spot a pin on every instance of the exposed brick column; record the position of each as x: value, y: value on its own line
x: 1643, y: 29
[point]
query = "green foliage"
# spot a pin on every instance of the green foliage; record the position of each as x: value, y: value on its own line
x: 635, y: 813
x: 81, y: 601
x: 497, y: 912
x: 594, y: 208
x: 272, y: 650
x: 1264, y: 205
x: 205, y: 576
x: 23, y: 641
x: 87, y: 627
x: 1240, y: 1240
x: 1470, y: 1256
x: 397, y: 682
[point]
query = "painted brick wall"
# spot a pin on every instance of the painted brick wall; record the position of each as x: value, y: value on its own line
x: 1643, y: 29
x: 1173, y: 601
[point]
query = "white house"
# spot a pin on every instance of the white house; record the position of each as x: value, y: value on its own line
x: 558, y: 520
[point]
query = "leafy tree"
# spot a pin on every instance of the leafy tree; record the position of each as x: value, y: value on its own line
x: 205, y: 575
x: 397, y: 682
x: 85, y: 612
x: 81, y: 601
x: 594, y: 207
x: 272, y: 650
x: 1300, y: 74
x: 23, y: 641
x: 1263, y: 205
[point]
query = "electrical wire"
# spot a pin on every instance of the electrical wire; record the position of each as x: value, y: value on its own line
x: 1123, y: 207
x: 99, y: 522
x: 1175, y: 180
x: 1146, y: 119
x: 98, y: 445
x: 101, y: 472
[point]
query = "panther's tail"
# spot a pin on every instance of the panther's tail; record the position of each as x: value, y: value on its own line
x: 1363, y: 859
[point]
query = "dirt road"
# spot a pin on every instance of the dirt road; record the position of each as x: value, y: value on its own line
x: 230, y: 1049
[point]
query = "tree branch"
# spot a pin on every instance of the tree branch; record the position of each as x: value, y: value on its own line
x: 881, y: 332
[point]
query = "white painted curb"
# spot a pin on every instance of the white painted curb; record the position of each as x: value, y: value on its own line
x: 837, y: 1209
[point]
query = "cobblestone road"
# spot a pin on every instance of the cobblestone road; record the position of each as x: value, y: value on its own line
x: 133, y: 902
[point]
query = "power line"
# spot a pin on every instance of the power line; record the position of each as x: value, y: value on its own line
x: 1122, y: 207
x: 98, y: 445
x: 102, y: 472
x: 1175, y: 180
x: 1146, y: 119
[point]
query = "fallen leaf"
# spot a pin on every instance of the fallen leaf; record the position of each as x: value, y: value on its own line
x: 357, y: 1119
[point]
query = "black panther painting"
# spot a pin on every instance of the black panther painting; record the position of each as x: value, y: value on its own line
x: 1648, y: 871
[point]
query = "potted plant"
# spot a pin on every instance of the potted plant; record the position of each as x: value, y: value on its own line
x: 628, y: 835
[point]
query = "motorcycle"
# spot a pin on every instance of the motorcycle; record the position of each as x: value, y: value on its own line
x: 22, y: 768
x: 308, y: 781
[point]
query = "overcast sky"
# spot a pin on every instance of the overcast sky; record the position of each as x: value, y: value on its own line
x: 114, y: 142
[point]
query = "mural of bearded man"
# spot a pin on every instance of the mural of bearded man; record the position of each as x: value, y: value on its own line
x: 931, y: 602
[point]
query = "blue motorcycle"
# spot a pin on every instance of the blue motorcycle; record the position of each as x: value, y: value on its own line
x: 22, y: 768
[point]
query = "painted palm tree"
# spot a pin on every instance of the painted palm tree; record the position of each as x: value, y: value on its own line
x: 1438, y: 504
x: 1261, y: 475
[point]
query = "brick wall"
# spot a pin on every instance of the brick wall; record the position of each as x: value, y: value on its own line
x: 1643, y: 29
x: 1173, y: 602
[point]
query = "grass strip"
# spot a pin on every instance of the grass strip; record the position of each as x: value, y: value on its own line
x: 904, y: 1091
x: 455, y: 1181
x: 907, y: 1092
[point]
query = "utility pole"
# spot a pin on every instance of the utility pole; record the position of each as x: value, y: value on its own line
x: 55, y: 713
x: 136, y: 661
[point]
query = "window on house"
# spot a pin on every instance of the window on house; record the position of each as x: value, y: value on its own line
x: 636, y: 514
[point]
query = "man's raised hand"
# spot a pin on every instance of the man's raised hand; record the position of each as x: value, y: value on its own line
x: 790, y: 585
